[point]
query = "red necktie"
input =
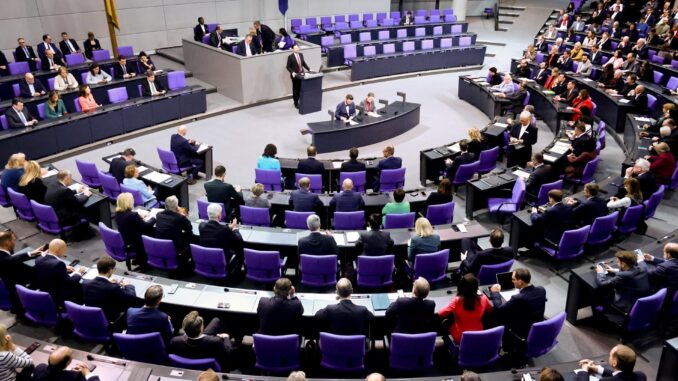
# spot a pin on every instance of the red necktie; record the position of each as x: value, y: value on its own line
x: 298, y: 62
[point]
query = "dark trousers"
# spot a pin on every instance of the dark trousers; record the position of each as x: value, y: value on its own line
x: 519, y: 156
x: 296, y: 89
x: 196, y: 166
x: 471, y: 248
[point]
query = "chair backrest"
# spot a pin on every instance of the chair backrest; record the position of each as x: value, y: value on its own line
x: 109, y: 185
x: 392, y: 179
x: 434, y: 19
x: 76, y: 104
x: 341, y: 25
x: 370, y: 51
x: 445, y: 43
x: 145, y: 347
x: 16, y: 89
x: 465, y: 172
x: 375, y: 271
x: 209, y: 262
x: 440, y: 214
x: 38, y: 305
x: 630, y: 219
x: 89, y: 323
x: 363, y: 36
x: 89, y: 173
x: 420, y: 12
x: 384, y: 35
x: 543, y: 196
x: 399, y: 221
x: 674, y: 179
x: 350, y: 51
x: 41, y: 110
x: 168, y: 160
x: 5, y: 300
x: 419, y: 20
x: 388, y: 48
x: 346, y: 38
x: 349, y: 220
x: 480, y: 348
x: 255, y: 216
x: 371, y: 23
x: 339, y: 18
x: 17, y: 68
x: 318, y: 270
x: 117, y: 95
x: 465, y: 41
x: 488, y: 160
x: 138, y: 200
x: 426, y: 44
x: 368, y: 16
x: 419, y: 32
x: 326, y: 41
x: 450, y: 18
x: 672, y: 84
x: 456, y: 29
x: 381, y: 15
x: 355, y: 24
x: 276, y: 353
x: 113, y: 242
x: 408, y: 46
x: 572, y: 243
x: 176, y: 80
x: 589, y: 170
x: 50, y: 83
x: 126, y: 51
x: 202, y: 209
x: 74, y: 59
x: 652, y: 203
x: 387, y: 22
x: 22, y: 205
x: 644, y: 312
x: 602, y: 229
x: 47, y: 218
x: 401, y: 33
x: 343, y: 353
x: 433, y: 266
x: 488, y: 273
x: 316, y: 181
x: 296, y: 220
x: 543, y: 335
x: 4, y: 197
x: 412, y: 352
x: 359, y: 179
x: 101, y: 55
x: 195, y: 364
x: 651, y: 101
x: 161, y: 253
x: 263, y: 266
x: 270, y: 178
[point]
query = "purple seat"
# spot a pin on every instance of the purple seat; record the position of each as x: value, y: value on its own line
x: 209, y: 262
x: 368, y: 16
x: 326, y: 22
x: 399, y: 221
x: 571, y: 244
x: 448, y: 11
x: 48, y: 221
x: 350, y: 53
x: 539, y: 58
x: 674, y: 180
x: 375, y: 271
x: 659, y: 60
x: 316, y: 181
x: 349, y: 220
x: 672, y: 84
x: 388, y: 48
x: 426, y: 44
x: 419, y: 32
x: 456, y: 29
x: 5, y: 300
x: 206, y: 39
x: 629, y: 222
x: 296, y: 220
x: 169, y: 162
x: 434, y: 12
x: 318, y: 270
x: 464, y: 173
x: 38, y: 307
x: 508, y: 205
x: 391, y: 179
x: 295, y: 24
x: 194, y: 364
x: 543, y: 196
x: 117, y: 95
x: 176, y: 80
x: 395, y: 15
x: 434, y: 19
x: 50, y: 83
x: 109, y: 185
x: 347, y: 39
x: 575, y: 66
x: 381, y: 16
x: 644, y: 313
x: 89, y: 323
x: 480, y: 348
x: 161, y: 253
x: 146, y: 347
x: 278, y: 354
x: 339, y: 18
x: 440, y: 214
x: 76, y: 104
x: 420, y: 12
x: 255, y: 216
x: 313, y: 22
x: 437, y: 30
x: 338, y: 26
x: 16, y: 90
x: 401, y: 33
x: 674, y: 64
x: 263, y: 266
x: 126, y: 51
x: 355, y: 24
x: 387, y: 22
x: 304, y: 29
x: 362, y: 37
x: 74, y: 59
x: 543, y: 336
x: 89, y: 173
x: 445, y: 43
x: 652, y: 203
x: 5, y: 202
x: 431, y: 266
x: 384, y: 35
x: 371, y: 23
x: 101, y: 55
x: 418, y: 20
x: 370, y: 51
x: 270, y: 178
x: 115, y: 246
x: 41, y: 111
x: 450, y: 18
x: 651, y: 102
x: 202, y: 210
x: 412, y: 352
x: 487, y: 274
x: 18, y: 68
x: 488, y: 160
x: 465, y: 41
x: 326, y: 42
x: 342, y: 353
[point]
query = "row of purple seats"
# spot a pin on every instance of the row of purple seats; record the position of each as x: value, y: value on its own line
x: 353, y: 21
x: 18, y: 68
x: 350, y: 50
x: 328, y: 41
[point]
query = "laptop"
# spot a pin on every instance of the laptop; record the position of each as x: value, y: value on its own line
x: 507, y: 287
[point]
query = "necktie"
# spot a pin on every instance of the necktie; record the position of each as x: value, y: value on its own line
x: 70, y: 46
x: 124, y: 69
x: 298, y: 62
x: 51, y: 63
x: 26, y: 52
x: 152, y: 86
x: 22, y: 117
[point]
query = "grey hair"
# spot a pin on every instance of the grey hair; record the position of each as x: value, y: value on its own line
x: 313, y: 222
x: 526, y: 115
x: 214, y: 212
x: 643, y: 164
x: 172, y: 203
x: 665, y: 131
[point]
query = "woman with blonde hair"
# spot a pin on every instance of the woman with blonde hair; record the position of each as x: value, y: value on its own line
x: 132, y: 225
x: 64, y: 80
x: 476, y: 143
x: 12, y: 358
x: 530, y: 53
x: 255, y: 200
x: 633, y: 196
x: 31, y: 184
x: 14, y: 169
x: 662, y: 164
x: 424, y: 241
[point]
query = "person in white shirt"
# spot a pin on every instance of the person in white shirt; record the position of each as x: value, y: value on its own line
x: 65, y: 80
x: 590, y: 40
x: 506, y: 86
x: 621, y: 362
x: 97, y: 76
x: 585, y: 67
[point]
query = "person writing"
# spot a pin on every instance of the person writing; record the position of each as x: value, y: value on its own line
x: 345, y: 110
x: 96, y: 76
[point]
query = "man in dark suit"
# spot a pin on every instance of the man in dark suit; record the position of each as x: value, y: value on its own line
x: 565, y: 61
x: 521, y: 138
x: 200, y: 30
x: 280, y: 314
x: 149, y: 318
x: 50, y: 61
x: 665, y: 271
x: 265, y: 35
x: 630, y: 282
x: 218, y: 190
x: 464, y: 157
x: 616, y: 30
x: 374, y: 241
x: 345, y: 317
x: 317, y: 243
x: 296, y: 66
x: 199, y: 342
x: 150, y: 87
x: 246, y: 47
x: 640, y: 171
x: 118, y: 164
x: 3, y: 64
x: 629, y: 85
x: 541, y: 174
x: 173, y: 224
x: 522, y: 309
x: 214, y: 234
x: 19, y: 116
x: 55, y: 369
x: 595, y: 56
x: 30, y: 87
x: 46, y: 45
x: 68, y: 45
x: 216, y: 39
x: 186, y: 152
x: 12, y: 269
x: 542, y: 74
x: 621, y: 362
x: 569, y: 95
x: 353, y: 165
x: 25, y: 53
x: 54, y: 277
x: 413, y: 314
x: 388, y: 162
x: 347, y: 200
x: 638, y: 98
x: 302, y: 200
x: 541, y: 45
x: 123, y: 69
x: 310, y: 166
x: 345, y: 110
x: 68, y: 205
x: 473, y: 257
x: 112, y: 297
x: 555, y: 220
x: 584, y: 213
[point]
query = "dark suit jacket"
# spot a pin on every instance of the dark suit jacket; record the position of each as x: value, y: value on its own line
x: 665, y: 274
x: 522, y: 310
x: 344, y: 318
x: 53, y: 48
x: 648, y: 184
x: 219, y: 191
x: 44, y: 63
x: 118, y: 72
x: 589, y: 210
x: 555, y: 220
x: 541, y: 76
x: 182, y: 149
x: 539, y: 176
x: 215, y: 40
x: 109, y: 296
x: 218, y: 236
x: 302, y: 200
x: 43, y: 372
x: 148, y: 320
x: 411, y: 315
x: 199, y: 31
x: 131, y: 226
x: 347, y: 202
x: 463, y: 158
x: 596, y: 58
x: 607, y: 376
x: 13, y: 271
x: 89, y: 47
x: 317, y: 243
x: 530, y: 135
x: 117, y: 168
x: 146, y: 87
x: 569, y: 96
x: 13, y: 119
x: 67, y: 205
x: 35, y: 190
x: 628, y: 286
x: 310, y: 166
x: 267, y: 37
x: 206, y: 346
x: 374, y: 243
x: 390, y: 163
x: 352, y: 166
x: 243, y: 51
x: 491, y: 256
x: 293, y: 65
x: 22, y: 57
x: 340, y: 111
x: 65, y: 49
x: 174, y: 226
x: 279, y: 316
x: 640, y: 101
x: 51, y: 277
x: 565, y: 64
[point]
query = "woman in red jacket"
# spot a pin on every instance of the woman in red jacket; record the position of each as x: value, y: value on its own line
x: 467, y: 308
x: 581, y: 101
x: 662, y: 164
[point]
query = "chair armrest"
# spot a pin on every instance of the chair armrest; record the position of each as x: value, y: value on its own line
x: 387, y: 343
x: 521, y: 339
x: 625, y: 314
x: 555, y: 245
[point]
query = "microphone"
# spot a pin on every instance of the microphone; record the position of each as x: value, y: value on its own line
x: 101, y: 359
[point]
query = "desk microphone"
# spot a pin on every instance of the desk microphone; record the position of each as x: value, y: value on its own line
x: 101, y: 359
x: 666, y: 237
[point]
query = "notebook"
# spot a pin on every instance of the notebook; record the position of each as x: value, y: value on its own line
x: 380, y: 302
x: 506, y: 283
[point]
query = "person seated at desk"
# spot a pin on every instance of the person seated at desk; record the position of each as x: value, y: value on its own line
x: 530, y: 53
x: 638, y: 98
x: 621, y: 362
x: 553, y: 79
x: 585, y: 67
x: 627, y: 86
x: 144, y: 62
x: 30, y: 87
x: 541, y: 45
x: 662, y: 163
x: 553, y: 57
x: 550, y: 33
x: 632, y: 66
x: 523, y: 69
x: 310, y: 166
x: 463, y: 158
x: 473, y: 257
x: 565, y: 61
x: 345, y: 317
x: 132, y: 181
x: 581, y: 106
x: 227, y: 237
x: 408, y: 19
x: 615, y: 83
x: 302, y: 200
x: 123, y: 69
x: 554, y: 220
x: 132, y: 224
x: 646, y: 72
x: 424, y: 241
x: 595, y: 56
x: 542, y: 75
x: 668, y: 112
x: 590, y: 40
x: 317, y: 243
x: 69, y: 205
x: 629, y: 282
x: 246, y: 47
x: 625, y: 45
x: 218, y: 190
x: 65, y: 81
x: 149, y: 318
x: 14, y: 170
x: 200, y: 30
x: 150, y: 87
x: 584, y: 213
x: 186, y: 152
x: 368, y: 104
x: 216, y: 38
x: 388, y: 162
x: 54, y: 107
x: 568, y: 95
x: 25, y: 53
x: 280, y: 314
x: 255, y: 200
x: 51, y: 274
x: 86, y: 99
x: 442, y: 195
x: 31, y: 184
x: 68, y: 45
x: 353, y: 164
x: 19, y: 116
x: 493, y: 77
x: 48, y: 46
x: 13, y: 271
x: 118, y: 164
x: 15, y: 363
x: 641, y: 172
x: 51, y: 61
x: 640, y: 49
x: 267, y: 160
x: 347, y: 200
x: 374, y: 241
x: 577, y: 53
x: 397, y: 206
x: 113, y: 297
x: 284, y: 41
x: 56, y: 368
x: 559, y: 85
x: 173, y: 224
x: 516, y: 99
x: 505, y: 87
x: 345, y: 110
x: 632, y: 196
x: 413, y: 314
x: 616, y: 60
x: 91, y: 44
x: 542, y: 173
x: 467, y: 308
x: 665, y: 270
x: 522, y: 133
x: 200, y: 341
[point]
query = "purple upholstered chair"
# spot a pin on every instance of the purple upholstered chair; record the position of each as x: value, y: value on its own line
x: 355, y: 24
x: 644, y: 313
x: 362, y: 37
x: 412, y: 352
x: 488, y: 160
x: 418, y: 20
x: 22, y: 206
x: 115, y: 246
x: 629, y: 222
x: 353, y: 17
x: 480, y: 348
x: 395, y: 16
x: 339, y: 26
x: 420, y: 12
x: 358, y: 178
x: 508, y: 205
x: 17, y: 68
x: 48, y: 221
x: 117, y: 95
x: 465, y: 41
x: 339, y: 18
x: 316, y: 181
x: 384, y: 35
x: 74, y: 59
x: 326, y: 42
x: 101, y: 55
x: 349, y: 220
x: 318, y: 270
x: 652, y: 203
x: 202, y: 210
x: 657, y: 76
x: 16, y: 90
x: 347, y: 38
x: 169, y: 162
x: 76, y: 104
x: 388, y: 48
x: 419, y: 32
x: 399, y: 221
x: 543, y: 336
x: 295, y: 24
x: 39, y: 307
x: 438, y: 30
x: 263, y: 266
x: 391, y: 179
x: 387, y: 22
x: 464, y: 173
x: 659, y: 60
x: 370, y: 51
x: 195, y: 364
x: 602, y: 229
x: 350, y: 53
x: 456, y: 29
x: 342, y: 353
x: 176, y: 80
x: 651, y: 102
x: 313, y: 22
x: 434, y: 19
x: 146, y: 347
x: 296, y: 220
x: 571, y: 244
x: 368, y: 16
x: 206, y: 39
x: 255, y: 216
x: 440, y: 214
x: 5, y: 301
x: 431, y: 267
x: 408, y: 46
x: 672, y: 84
x: 426, y: 44
x: 161, y: 253
x: 450, y: 18
x: 126, y: 51
x: 401, y: 33
x: 89, y: 173
x: 543, y: 196
x: 136, y: 195
x: 4, y: 197
x: 448, y: 11
x: 109, y: 185
x: 371, y: 23
x: 375, y: 271
x: 89, y: 323
x: 270, y: 178
x: 209, y: 262
x: 445, y: 43
x: 434, y: 12
x: 277, y: 354
x: 488, y: 273
x: 381, y: 15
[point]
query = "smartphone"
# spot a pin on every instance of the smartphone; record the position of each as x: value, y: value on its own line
x: 74, y: 263
x: 31, y: 348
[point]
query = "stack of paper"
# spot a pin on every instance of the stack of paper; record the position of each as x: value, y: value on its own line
x: 352, y: 123
x: 156, y: 177
x: 550, y: 158
x: 560, y: 148
x: 504, y: 125
x: 454, y: 148
x: 522, y: 174
x: 624, y: 100
x: 373, y: 114
x: 339, y: 238
x: 644, y: 119
x: 141, y: 168
x: 50, y: 173
x: 352, y: 236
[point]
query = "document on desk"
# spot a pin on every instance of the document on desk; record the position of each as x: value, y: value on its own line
x: 550, y: 159
x: 454, y: 148
x: 503, y: 125
x: 203, y: 148
x: 75, y: 187
x: 638, y: 118
x: 156, y: 177
x: 560, y: 148
x: 624, y: 101
x: 509, y: 293
x: 522, y: 174
x: 50, y: 173
x: 352, y: 237
x: 339, y: 238
x: 373, y: 114
x: 337, y: 164
x: 352, y: 123
x: 141, y: 168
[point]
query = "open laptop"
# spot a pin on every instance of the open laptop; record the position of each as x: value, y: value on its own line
x: 507, y: 287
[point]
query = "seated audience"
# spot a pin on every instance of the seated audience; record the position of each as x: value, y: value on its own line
x: 638, y: 98
x: 541, y: 75
x: 91, y: 44
x: 31, y: 184
x: 150, y: 87
x: 145, y: 63
x: 506, y: 85
x: 584, y: 213
x: 424, y: 241
x: 284, y: 41
x: 12, y: 268
x: 57, y: 363
x: 218, y: 190
x: 353, y: 164
x: 310, y: 166
x: 415, y: 313
x: 397, y: 206
x: 662, y: 163
x: 632, y: 197
x: 68, y: 45
x: 473, y: 257
x: 123, y: 69
x: 554, y: 220
x: 465, y: 157
x: 132, y: 224
x: 65, y: 81
x: 255, y: 200
x: 69, y: 205
x: 30, y: 87
x: 388, y: 162
x: 15, y: 363
x: 665, y: 270
x: 268, y: 160
x: 118, y: 164
x: 173, y: 224
x: 51, y: 62
x: 347, y: 200
x: 149, y: 318
x: 227, y: 237
x: 303, y: 200
x: 583, y: 151
x: 280, y: 314
x: 186, y: 152
x: 112, y: 296
x: 317, y: 243
x: 621, y: 362
x: 568, y: 95
x: 19, y: 116
x: 374, y: 241
x: 246, y: 48
x: 132, y: 181
x: 51, y: 274
x: 629, y: 282
x: 467, y: 308
x: 86, y: 99
x: 641, y: 172
x: 216, y: 39
x: 345, y: 317
x: 199, y: 342
x: 14, y: 170
x: 442, y: 195
x: 541, y: 174
x: 493, y: 77
x: 585, y: 67
x: 54, y: 107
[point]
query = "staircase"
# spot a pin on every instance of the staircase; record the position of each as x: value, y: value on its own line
x: 506, y: 16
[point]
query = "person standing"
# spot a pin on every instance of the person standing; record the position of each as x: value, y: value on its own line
x: 265, y: 35
x: 296, y: 66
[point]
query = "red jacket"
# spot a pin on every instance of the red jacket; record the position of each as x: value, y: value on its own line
x: 662, y: 167
x: 465, y: 320
x: 578, y: 103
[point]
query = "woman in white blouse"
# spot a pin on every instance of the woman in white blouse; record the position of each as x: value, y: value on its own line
x: 65, y: 80
x: 633, y: 196
x: 617, y: 60
x: 97, y: 76
x: 11, y: 357
x: 590, y: 40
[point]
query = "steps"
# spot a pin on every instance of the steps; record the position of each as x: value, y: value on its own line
x: 507, y: 15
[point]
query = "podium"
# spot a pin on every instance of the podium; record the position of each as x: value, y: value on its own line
x: 311, y: 93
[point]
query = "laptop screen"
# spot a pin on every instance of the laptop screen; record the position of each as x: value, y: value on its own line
x: 504, y: 280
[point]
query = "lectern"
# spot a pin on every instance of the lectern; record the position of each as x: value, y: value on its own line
x: 311, y: 94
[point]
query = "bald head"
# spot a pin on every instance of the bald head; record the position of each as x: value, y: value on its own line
x: 29, y: 78
x: 182, y: 130
x: 347, y: 185
x: 344, y: 288
x: 671, y: 251
x: 421, y: 288
x: 639, y: 89
x: 60, y: 358
x: 375, y: 377
x: 57, y: 247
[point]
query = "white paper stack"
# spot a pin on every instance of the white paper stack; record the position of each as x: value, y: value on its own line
x: 156, y: 177
x: 352, y: 236
x: 339, y: 238
x: 522, y: 174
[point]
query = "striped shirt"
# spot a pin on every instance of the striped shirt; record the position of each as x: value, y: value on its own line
x: 10, y: 361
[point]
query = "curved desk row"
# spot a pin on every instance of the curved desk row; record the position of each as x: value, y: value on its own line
x: 316, y: 37
x: 475, y: 91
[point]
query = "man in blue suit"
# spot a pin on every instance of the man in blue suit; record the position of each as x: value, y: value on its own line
x: 584, y: 213
x: 302, y: 200
x: 51, y: 275
x: 310, y: 166
x: 317, y: 243
x: 47, y: 44
x: 186, y: 152
x: 149, y: 318
x: 112, y: 297
x: 621, y: 362
x: 347, y: 200
x: 345, y: 110
x: 388, y: 162
x: 30, y: 87
x: 665, y: 272
x: 555, y: 220
x: 629, y: 283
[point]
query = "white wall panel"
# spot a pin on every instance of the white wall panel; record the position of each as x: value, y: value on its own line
x: 76, y: 25
x: 124, y: 4
x: 186, y: 15
x: 144, y: 41
x: 61, y: 7
x: 28, y: 28
x: 140, y: 20
x: 11, y: 9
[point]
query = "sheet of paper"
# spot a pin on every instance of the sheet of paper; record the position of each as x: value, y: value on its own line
x: 336, y: 164
x: 454, y: 147
x: 550, y: 158
x: 352, y: 123
x: 74, y: 187
x: 504, y: 125
x: 624, y: 100
x: 203, y: 147
x: 522, y: 174
x: 373, y: 114
x: 141, y: 168
x: 352, y: 236
x: 508, y: 294
x: 339, y: 237
x: 50, y: 173
x: 156, y: 177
